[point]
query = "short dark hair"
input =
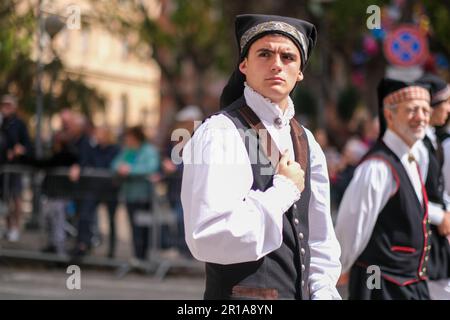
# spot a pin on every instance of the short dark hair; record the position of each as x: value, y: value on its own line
x: 136, y: 132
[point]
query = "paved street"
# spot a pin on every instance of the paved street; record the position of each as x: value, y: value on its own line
x: 31, y: 282
x: 39, y: 281
x: 32, y: 276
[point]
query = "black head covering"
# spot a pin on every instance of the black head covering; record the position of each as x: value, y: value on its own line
x: 439, y: 89
x: 385, y: 88
x: 251, y: 27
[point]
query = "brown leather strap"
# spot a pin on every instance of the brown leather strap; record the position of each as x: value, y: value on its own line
x: 267, y: 146
x: 300, y: 142
x: 298, y: 135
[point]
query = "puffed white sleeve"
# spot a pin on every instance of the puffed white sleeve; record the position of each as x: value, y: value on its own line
x: 325, y: 267
x: 367, y: 194
x: 225, y: 220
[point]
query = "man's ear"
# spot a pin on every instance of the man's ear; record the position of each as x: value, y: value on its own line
x: 387, y: 115
x: 300, y: 76
x: 243, y: 66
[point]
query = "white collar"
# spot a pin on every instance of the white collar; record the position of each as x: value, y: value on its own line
x: 399, y: 147
x: 266, y: 110
x: 430, y: 131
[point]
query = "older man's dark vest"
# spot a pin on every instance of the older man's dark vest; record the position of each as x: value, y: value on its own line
x: 283, y: 273
x: 399, y: 243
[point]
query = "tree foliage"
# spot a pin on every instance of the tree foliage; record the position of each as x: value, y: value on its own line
x: 188, y: 39
x: 18, y: 68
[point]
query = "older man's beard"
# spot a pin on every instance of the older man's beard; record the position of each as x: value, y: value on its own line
x: 410, y: 135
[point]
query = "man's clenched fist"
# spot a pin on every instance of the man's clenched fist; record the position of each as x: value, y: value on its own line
x: 291, y: 170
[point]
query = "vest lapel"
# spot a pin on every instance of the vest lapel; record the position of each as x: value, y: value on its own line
x: 265, y: 140
x: 300, y: 143
x: 267, y: 144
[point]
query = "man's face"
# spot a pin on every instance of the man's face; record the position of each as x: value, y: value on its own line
x: 7, y: 109
x: 440, y: 113
x: 272, y: 67
x: 409, y: 120
x: 67, y: 117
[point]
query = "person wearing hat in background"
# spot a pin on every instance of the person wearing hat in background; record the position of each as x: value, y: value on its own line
x: 17, y: 145
x: 185, y: 119
x: 382, y: 219
x: 443, y: 134
x: 438, y: 206
x: 261, y: 220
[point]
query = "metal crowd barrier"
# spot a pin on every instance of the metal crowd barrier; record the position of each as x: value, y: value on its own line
x: 102, y: 185
x: 7, y: 175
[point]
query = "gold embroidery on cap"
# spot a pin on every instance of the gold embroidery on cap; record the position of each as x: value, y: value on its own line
x: 273, y: 26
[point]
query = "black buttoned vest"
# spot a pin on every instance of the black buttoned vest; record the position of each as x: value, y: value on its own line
x: 399, y: 243
x: 283, y: 273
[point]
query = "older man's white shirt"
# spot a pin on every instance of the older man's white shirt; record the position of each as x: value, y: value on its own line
x: 372, y: 185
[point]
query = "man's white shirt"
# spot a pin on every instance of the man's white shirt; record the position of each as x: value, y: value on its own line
x: 226, y: 222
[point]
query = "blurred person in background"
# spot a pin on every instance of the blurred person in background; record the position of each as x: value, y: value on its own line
x: 332, y: 155
x: 135, y: 163
x: 54, y: 209
x: 105, y: 150
x: 353, y: 152
x: 438, y: 205
x: 333, y: 158
x: 17, y: 148
x: 75, y: 125
x: 76, y: 128
x: 184, y: 119
x: 382, y: 219
x: 443, y: 134
x: 99, y: 152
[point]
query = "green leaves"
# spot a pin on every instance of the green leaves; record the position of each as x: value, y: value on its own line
x: 18, y: 70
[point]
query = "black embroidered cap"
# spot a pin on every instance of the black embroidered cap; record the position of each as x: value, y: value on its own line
x: 251, y: 27
x: 439, y: 89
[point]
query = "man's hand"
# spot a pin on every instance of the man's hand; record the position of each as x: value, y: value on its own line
x: 291, y: 170
x: 444, y: 227
x: 123, y: 169
x: 168, y: 166
x: 343, y: 279
x: 74, y: 173
x: 19, y: 150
